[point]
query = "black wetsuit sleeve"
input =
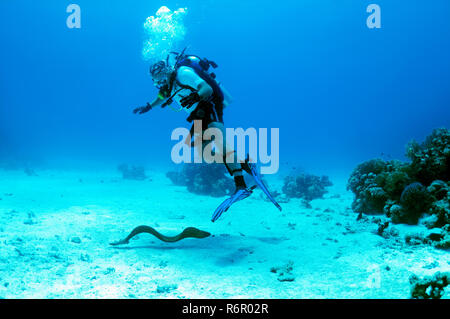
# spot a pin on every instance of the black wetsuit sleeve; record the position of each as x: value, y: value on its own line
x: 163, y: 93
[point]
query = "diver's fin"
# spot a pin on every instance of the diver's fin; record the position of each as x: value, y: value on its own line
x: 253, y: 170
x: 240, y: 194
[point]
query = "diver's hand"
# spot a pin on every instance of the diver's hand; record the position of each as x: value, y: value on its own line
x: 190, y: 100
x: 142, y: 109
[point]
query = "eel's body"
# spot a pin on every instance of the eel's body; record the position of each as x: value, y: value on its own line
x: 189, y: 232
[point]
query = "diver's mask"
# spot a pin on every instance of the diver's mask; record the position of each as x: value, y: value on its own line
x: 160, y: 73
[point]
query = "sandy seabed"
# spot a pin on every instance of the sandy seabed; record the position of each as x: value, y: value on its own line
x: 55, y: 230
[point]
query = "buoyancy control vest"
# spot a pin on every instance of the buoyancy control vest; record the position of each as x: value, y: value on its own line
x: 201, y: 67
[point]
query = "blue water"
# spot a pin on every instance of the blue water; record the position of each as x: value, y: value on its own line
x: 339, y: 92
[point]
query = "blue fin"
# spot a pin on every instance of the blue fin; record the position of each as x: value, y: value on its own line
x: 257, y: 177
x: 237, y: 196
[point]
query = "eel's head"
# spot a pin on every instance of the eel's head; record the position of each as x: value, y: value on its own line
x: 195, y: 233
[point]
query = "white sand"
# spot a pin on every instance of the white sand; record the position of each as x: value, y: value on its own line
x: 333, y: 255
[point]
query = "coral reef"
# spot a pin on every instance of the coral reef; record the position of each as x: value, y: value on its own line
x: 405, y: 192
x: 432, y: 287
x: 133, y: 172
x: 204, y: 179
x: 431, y: 160
x: 440, y: 208
x: 415, y: 200
x: 306, y: 186
x: 375, y: 182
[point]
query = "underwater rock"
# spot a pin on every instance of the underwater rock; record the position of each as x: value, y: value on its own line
x: 291, y: 226
x: 392, y: 232
x: 439, y: 189
x: 133, y: 173
x: 85, y: 258
x: 431, y: 265
x: 414, y: 239
x: 306, y: 186
x: 436, y: 237
x: 204, y: 179
x: 382, y: 227
x: 402, y: 216
x: 360, y: 218
x: 440, y: 237
x: 109, y: 270
x: 430, y: 287
x: 284, y: 272
x: 30, y: 220
x: 441, y: 210
x: 444, y: 243
x: 76, y: 240
x: 429, y: 221
x: 435, y: 234
x: 165, y: 288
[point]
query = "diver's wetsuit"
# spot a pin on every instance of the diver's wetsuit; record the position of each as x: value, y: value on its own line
x: 185, y: 81
x: 208, y: 112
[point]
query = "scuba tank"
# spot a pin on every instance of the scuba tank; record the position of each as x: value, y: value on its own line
x: 201, y: 67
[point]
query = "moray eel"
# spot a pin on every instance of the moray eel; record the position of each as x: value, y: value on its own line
x: 189, y: 232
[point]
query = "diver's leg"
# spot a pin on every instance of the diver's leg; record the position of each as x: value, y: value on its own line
x: 230, y: 160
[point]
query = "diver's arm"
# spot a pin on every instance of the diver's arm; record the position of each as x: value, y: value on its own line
x: 144, y: 109
x: 203, y: 92
x: 201, y: 89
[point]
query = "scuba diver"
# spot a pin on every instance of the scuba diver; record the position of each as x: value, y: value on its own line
x: 190, y: 83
